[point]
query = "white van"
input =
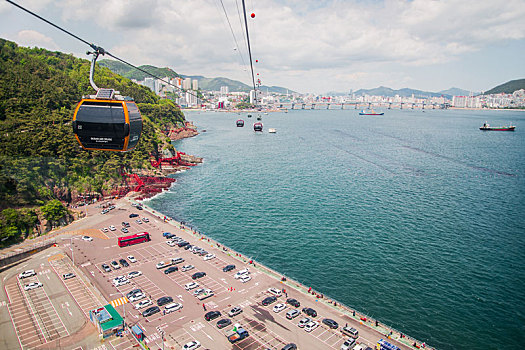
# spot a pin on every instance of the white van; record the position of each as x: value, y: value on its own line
x: 276, y: 292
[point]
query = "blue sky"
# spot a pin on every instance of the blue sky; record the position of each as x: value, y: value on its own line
x: 305, y: 45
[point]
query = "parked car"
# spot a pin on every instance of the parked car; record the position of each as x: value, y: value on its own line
x: 125, y: 224
x: 104, y: 229
x: 32, y: 285
x: 87, y: 238
x: 112, y: 228
x: 235, y: 311
x: 292, y: 314
x: 120, y: 282
x: 172, y: 307
x: 241, y: 273
x: 133, y: 292
x: 137, y: 296
x: 162, y: 265
x: 165, y: 234
x: 330, y: 323
x: 133, y: 215
x: 224, y: 323
x: 279, y: 307
x: 115, y: 265
x: 182, y: 244
x: 139, y: 207
x: 123, y: 262
x: 275, y: 291
x: 171, y: 269
x: 124, y: 230
x: 164, y: 300
x: 293, y: 302
x: 211, y: 315
x: 150, y: 311
x: 290, y: 346
x: 106, y: 267
x: 303, y: 322
x: 350, y: 331
x: 132, y: 259
x: 198, y: 275
x: 177, y: 260
x: 68, y: 275
x: 187, y: 268
x: 187, y: 247
x: 228, y: 268
x: 27, y: 273
x: 191, y: 285
x: 145, y: 219
x: 348, y: 344
x: 171, y: 243
x: 245, y: 278
x: 139, y: 221
x: 311, y: 326
x: 134, y: 274
x: 268, y: 300
x: 192, y: 345
x: 209, y: 257
x: 310, y: 312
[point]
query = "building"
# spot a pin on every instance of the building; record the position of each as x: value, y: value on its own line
x: 150, y: 83
x: 186, y: 84
x: 107, y: 320
x: 224, y: 90
x: 195, y: 84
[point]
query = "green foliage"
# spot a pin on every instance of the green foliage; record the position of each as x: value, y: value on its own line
x: 53, y: 211
x: 40, y: 158
x: 507, y: 88
x: 15, y: 222
x: 132, y: 73
x: 244, y: 105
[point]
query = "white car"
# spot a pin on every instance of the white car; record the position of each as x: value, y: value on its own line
x: 171, y: 307
x: 245, y: 278
x: 132, y: 259
x: 162, y: 265
x: 303, y: 322
x: 274, y: 291
x: 68, y: 275
x: 134, y: 274
x: 191, y: 285
x: 87, y: 238
x: 145, y: 219
x: 192, y: 345
x: 121, y: 282
x: 279, y: 307
x: 32, y: 285
x: 209, y: 257
x: 27, y: 273
x: 104, y: 229
x: 137, y: 297
x: 311, y: 326
x: 199, y: 291
x: 235, y: 311
x: 143, y: 304
x: 138, y: 221
x: 112, y: 228
x: 171, y: 243
x: 241, y: 273
x: 187, y: 268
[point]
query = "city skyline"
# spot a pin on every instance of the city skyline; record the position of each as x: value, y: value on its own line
x: 306, y: 46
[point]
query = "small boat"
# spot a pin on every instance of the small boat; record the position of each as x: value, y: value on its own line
x: 272, y: 130
x: 370, y: 112
x: 240, y: 123
x: 487, y: 127
x: 258, y: 126
x: 249, y: 115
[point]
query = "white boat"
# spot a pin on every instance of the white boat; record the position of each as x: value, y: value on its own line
x: 272, y: 130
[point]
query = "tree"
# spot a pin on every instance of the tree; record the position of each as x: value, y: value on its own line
x: 53, y: 211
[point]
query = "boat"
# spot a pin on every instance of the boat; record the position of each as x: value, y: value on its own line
x: 272, y: 130
x: 249, y: 115
x: 240, y: 123
x: 258, y: 126
x: 370, y: 112
x: 487, y: 127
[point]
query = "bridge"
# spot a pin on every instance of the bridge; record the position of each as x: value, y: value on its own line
x: 358, y: 105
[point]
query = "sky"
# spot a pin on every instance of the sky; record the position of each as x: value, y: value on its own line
x: 307, y: 46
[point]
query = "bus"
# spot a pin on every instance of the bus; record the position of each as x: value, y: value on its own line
x: 133, y: 239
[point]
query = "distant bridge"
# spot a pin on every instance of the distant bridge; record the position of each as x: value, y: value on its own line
x: 359, y: 105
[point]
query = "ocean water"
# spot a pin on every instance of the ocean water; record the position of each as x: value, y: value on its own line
x: 414, y: 218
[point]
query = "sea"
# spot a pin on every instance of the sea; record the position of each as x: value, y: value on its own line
x: 415, y: 218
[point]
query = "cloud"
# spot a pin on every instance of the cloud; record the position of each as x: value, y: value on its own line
x: 33, y: 38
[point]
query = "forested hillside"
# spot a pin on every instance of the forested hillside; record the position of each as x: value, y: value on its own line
x: 40, y: 160
x: 508, y: 87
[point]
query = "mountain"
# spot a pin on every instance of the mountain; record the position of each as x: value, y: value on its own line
x: 209, y: 84
x: 405, y: 92
x: 456, y: 92
x: 508, y: 87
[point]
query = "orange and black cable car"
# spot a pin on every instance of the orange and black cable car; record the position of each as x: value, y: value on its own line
x: 107, y: 124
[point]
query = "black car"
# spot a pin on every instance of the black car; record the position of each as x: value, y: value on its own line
x: 125, y: 224
x: 330, y: 323
x: 133, y: 215
x: 106, y: 267
x: 139, y: 207
x: 310, y: 312
x: 187, y: 247
x: 228, y: 268
x: 212, y: 315
x: 223, y: 323
x: 133, y: 292
x: 290, y: 346
x: 293, y: 302
x: 150, y: 311
x: 123, y: 262
x: 198, y: 275
x: 164, y: 301
x: 182, y: 244
x: 269, y: 300
x: 171, y: 269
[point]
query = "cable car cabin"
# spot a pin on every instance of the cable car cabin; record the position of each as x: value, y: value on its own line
x: 240, y: 123
x: 257, y: 127
x: 107, y: 124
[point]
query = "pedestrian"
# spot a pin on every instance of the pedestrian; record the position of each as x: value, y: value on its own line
x: 204, y: 306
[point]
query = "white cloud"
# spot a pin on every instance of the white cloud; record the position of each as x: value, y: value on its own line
x: 33, y: 38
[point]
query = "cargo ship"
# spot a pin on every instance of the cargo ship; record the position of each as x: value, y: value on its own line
x: 370, y: 112
x: 487, y: 127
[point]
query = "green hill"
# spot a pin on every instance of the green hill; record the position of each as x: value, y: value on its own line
x: 132, y: 73
x: 40, y: 160
x: 508, y: 87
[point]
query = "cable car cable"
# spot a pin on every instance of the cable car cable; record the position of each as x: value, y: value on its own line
x: 233, y: 34
x: 249, y: 49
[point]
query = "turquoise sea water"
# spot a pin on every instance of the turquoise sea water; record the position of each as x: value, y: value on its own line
x: 414, y: 218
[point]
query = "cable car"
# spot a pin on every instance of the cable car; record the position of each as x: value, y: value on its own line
x: 258, y: 126
x: 107, y: 121
x: 240, y: 123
